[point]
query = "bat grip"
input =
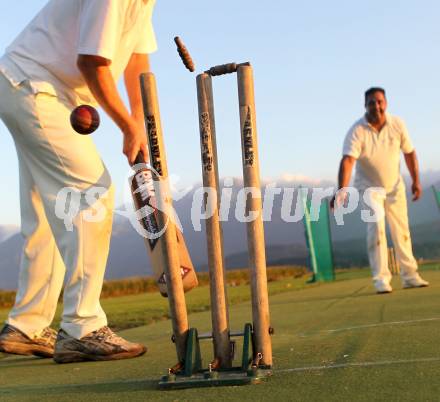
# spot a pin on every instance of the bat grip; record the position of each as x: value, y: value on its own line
x: 139, y: 158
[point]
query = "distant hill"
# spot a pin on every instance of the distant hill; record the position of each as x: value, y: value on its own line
x: 284, y: 241
x: 10, y: 251
x: 347, y: 253
x: 7, y: 231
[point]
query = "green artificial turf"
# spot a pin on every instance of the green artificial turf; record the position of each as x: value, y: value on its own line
x: 136, y: 310
x: 333, y: 342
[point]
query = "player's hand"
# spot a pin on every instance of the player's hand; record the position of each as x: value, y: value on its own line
x: 416, y: 190
x: 339, y: 199
x: 135, y: 141
x: 332, y: 203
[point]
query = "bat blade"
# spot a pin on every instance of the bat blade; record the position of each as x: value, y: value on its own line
x: 142, y: 190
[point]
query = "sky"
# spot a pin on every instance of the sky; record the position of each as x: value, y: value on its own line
x: 312, y: 62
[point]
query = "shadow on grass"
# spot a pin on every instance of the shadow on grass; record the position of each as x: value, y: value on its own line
x: 106, y: 387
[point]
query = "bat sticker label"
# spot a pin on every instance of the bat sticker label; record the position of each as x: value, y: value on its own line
x: 183, y: 271
x: 145, y: 202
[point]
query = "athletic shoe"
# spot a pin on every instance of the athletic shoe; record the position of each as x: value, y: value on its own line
x: 102, y: 344
x: 414, y: 282
x: 13, y: 341
x: 382, y: 287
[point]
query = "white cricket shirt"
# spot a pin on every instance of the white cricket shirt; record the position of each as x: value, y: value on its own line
x: 46, y: 51
x: 377, y: 154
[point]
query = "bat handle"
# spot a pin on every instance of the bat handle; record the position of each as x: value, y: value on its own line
x: 139, y: 158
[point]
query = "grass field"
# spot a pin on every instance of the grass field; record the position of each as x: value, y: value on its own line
x: 332, y: 342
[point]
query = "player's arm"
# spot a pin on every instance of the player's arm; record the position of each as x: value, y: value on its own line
x: 344, y: 175
x: 345, y: 171
x: 412, y: 164
x: 137, y: 65
x: 97, y: 74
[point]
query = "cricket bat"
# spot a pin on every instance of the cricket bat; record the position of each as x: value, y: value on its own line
x: 142, y: 190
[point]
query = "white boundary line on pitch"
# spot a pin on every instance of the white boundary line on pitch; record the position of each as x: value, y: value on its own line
x: 360, y: 364
x: 380, y: 324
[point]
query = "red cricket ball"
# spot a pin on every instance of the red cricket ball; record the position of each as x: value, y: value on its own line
x: 84, y: 119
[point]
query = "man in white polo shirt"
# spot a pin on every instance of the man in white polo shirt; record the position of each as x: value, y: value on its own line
x: 72, y: 52
x: 374, y: 144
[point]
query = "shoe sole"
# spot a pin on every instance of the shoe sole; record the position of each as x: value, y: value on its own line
x: 414, y: 287
x: 74, y: 357
x: 384, y: 292
x: 21, y: 349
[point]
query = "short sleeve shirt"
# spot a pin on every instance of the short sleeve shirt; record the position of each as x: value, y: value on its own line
x: 377, y: 154
x: 46, y: 51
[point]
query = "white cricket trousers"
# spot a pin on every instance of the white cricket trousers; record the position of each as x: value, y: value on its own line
x: 392, y: 207
x: 51, y: 157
